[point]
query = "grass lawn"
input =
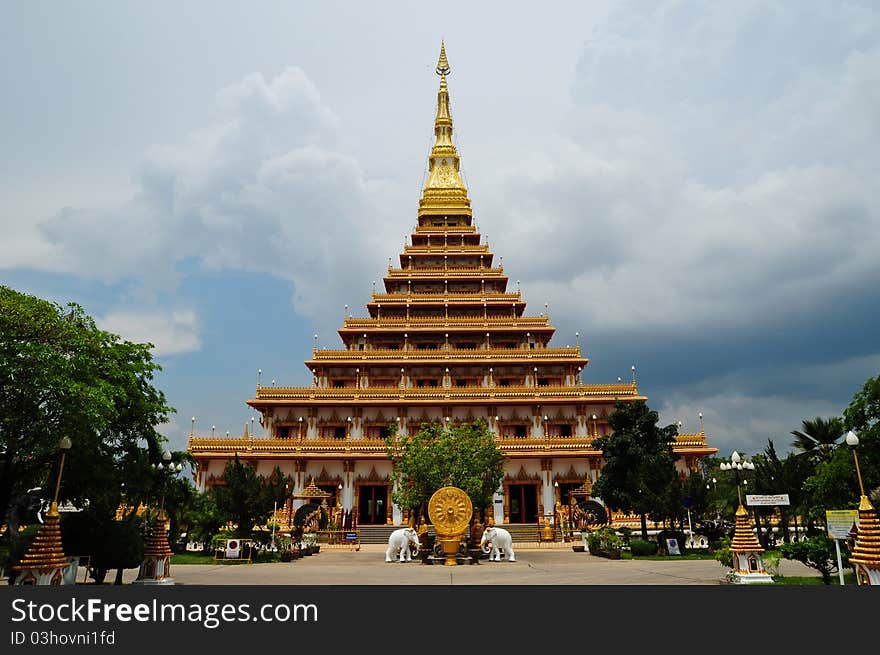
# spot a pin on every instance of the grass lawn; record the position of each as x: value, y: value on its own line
x: 192, y: 558
x: 849, y: 580
x: 208, y: 558
x: 699, y: 555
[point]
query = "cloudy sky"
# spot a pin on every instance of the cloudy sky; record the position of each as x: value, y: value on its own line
x: 691, y: 186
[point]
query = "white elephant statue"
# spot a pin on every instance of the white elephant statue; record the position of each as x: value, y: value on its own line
x: 400, y: 541
x: 497, y: 539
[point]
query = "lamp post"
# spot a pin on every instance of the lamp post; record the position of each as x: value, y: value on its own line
x: 865, y: 557
x: 156, y: 566
x: 44, y: 563
x: 748, y: 563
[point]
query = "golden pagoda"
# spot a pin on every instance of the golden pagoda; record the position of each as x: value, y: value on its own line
x: 445, y: 340
x: 44, y: 563
x: 156, y: 566
x: 865, y: 557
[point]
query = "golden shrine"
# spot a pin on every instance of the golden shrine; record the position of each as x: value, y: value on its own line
x: 445, y: 340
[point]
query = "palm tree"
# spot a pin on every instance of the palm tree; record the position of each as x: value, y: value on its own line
x: 818, y: 437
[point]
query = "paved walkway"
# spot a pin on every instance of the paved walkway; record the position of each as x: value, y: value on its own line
x: 532, y: 567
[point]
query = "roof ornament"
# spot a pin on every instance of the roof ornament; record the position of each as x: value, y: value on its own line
x: 443, y: 68
x: 444, y: 193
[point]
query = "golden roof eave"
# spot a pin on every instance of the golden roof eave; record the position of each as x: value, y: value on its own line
x: 571, y: 355
x: 440, y: 322
x: 606, y: 393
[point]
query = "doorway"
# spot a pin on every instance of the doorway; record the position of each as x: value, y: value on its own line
x: 523, y: 503
x: 373, y: 504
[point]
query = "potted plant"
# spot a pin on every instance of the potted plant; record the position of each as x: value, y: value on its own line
x: 605, y: 542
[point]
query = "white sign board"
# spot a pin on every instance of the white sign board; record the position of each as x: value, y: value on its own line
x: 766, y: 499
x: 840, y: 522
x: 233, y: 549
x: 672, y: 547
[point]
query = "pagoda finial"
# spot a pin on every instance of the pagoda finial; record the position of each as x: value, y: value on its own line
x: 443, y: 64
x: 445, y: 193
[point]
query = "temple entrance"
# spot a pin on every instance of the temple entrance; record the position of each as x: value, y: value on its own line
x: 373, y: 504
x: 523, y: 503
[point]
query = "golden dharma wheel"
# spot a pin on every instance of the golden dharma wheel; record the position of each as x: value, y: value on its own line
x: 450, y: 510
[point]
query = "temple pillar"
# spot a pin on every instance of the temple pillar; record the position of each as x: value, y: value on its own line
x: 547, y: 499
x: 397, y: 514
x: 348, y: 485
x: 505, y: 516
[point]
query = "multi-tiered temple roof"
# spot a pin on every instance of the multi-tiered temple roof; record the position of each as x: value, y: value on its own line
x: 446, y: 339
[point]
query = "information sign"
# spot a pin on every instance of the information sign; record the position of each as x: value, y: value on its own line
x: 766, y: 499
x: 840, y: 522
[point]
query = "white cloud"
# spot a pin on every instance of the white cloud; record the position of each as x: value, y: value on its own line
x: 170, y: 333
x: 263, y: 189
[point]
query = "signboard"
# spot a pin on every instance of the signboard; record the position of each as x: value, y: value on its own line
x: 672, y: 547
x: 233, y: 549
x: 351, y: 536
x: 840, y: 522
x: 771, y: 499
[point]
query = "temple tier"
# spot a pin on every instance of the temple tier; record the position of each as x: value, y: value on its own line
x: 445, y: 340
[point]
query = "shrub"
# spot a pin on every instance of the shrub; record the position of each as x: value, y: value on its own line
x: 817, y: 553
x: 626, y: 533
x: 640, y: 547
x: 604, y: 539
x: 723, y: 553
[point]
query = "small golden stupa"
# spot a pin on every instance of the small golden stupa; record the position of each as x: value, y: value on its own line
x: 865, y: 556
x: 748, y: 564
x: 44, y: 561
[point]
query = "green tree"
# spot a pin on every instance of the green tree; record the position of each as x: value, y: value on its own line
x: 466, y: 456
x: 108, y: 543
x: 818, y: 437
x: 639, y: 466
x: 204, y: 519
x: 246, y: 498
x: 863, y: 417
x: 816, y: 552
x: 834, y: 483
x: 788, y: 475
x: 62, y: 376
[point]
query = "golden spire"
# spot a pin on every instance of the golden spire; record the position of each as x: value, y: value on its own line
x: 445, y: 193
x: 744, y: 539
x: 867, y: 547
x: 46, y: 551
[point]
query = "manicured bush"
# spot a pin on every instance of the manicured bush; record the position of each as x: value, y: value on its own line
x: 640, y: 547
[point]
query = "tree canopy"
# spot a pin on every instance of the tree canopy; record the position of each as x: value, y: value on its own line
x: 246, y: 498
x: 817, y: 437
x: 465, y: 455
x: 62, y: 376
x: 639, y: 466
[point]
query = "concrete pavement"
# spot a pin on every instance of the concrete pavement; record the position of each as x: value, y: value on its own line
x: 547, y: 566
